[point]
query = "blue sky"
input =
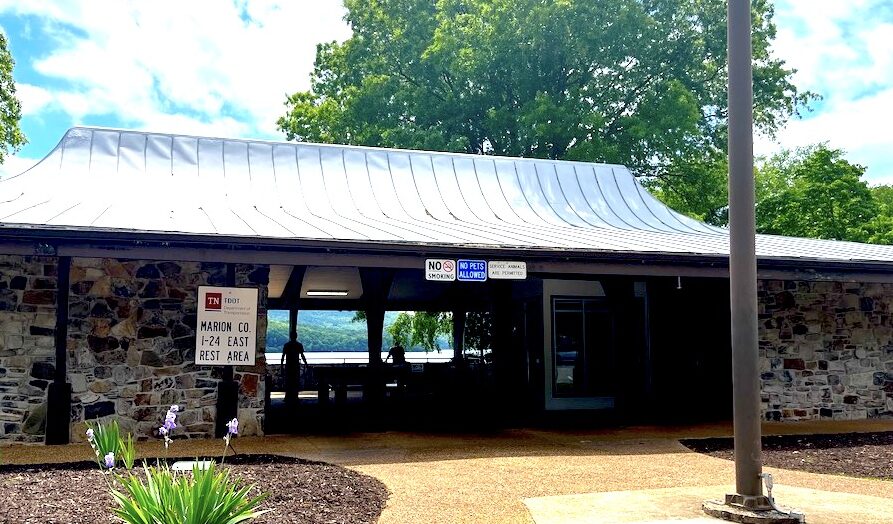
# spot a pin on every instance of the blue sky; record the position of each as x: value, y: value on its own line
x: 223, y: 68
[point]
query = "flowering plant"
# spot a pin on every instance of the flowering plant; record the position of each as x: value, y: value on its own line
x: 105, y: 439
x: 160, y: 496
x: 232, y: 429
x: 170, y: 424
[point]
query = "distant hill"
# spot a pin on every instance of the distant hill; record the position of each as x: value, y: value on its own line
x: 326, y: 331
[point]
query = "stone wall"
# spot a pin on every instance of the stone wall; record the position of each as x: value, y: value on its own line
x: 131, y: 344
x: 27, y: 348
x: 826, y: 350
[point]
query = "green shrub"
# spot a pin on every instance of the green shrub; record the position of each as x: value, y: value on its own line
x: 206, y: 497
x: 209, y: 496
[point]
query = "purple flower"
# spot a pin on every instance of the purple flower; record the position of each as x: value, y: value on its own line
x: 232, y: 426
x: 163, y: 431
x: 174, y: 409
x: 110, y: 460
x: 170, y: 420
x: 90, y: 435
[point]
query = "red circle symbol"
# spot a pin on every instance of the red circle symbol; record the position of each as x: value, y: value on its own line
x: 448, y: 265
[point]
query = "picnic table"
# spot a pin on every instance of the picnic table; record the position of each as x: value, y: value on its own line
x: 368, y: 379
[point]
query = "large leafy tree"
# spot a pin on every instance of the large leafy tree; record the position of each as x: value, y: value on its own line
x: 880, y: 228
x: 638, y: 82
x: 814, y: 192
x: 11, y: 136
x: 420, y: 329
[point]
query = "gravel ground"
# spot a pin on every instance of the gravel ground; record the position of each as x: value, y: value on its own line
x: 853, y: 454
x: 300, y: 492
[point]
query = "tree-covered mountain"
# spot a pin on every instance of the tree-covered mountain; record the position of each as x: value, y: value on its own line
x: 327, y: 331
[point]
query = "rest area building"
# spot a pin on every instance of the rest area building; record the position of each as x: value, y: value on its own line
x: 602, y: 299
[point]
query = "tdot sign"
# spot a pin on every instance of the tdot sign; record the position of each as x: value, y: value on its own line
x: 443, y: 270
x: 226, y: 326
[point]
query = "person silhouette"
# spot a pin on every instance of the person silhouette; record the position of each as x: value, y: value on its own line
x: 292, y: 355
x: 397, y: 355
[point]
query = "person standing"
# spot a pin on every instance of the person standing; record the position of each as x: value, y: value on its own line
x: 292, y: 354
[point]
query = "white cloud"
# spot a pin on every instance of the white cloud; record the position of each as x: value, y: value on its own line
x: 844, y: 53
x: 33, y: 98
x: 16, y: 165
x: 197, y: 64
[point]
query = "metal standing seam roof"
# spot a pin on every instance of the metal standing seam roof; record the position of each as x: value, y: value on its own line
x: 112, y: 180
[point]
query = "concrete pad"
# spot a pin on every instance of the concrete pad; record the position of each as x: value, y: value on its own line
x: 683, y: 505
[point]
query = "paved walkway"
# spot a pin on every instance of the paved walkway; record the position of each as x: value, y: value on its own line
x: 550, y: 477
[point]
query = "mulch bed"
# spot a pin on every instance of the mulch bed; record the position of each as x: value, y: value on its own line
x: 851, y: 454
x: 300, y: 492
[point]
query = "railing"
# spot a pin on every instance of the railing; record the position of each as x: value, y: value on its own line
x: 357, y: 357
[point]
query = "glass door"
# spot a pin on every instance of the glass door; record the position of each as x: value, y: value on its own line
x: 582, y: 348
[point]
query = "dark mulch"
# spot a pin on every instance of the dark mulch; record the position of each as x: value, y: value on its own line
x: 851, y: 454
x: 300, y: 492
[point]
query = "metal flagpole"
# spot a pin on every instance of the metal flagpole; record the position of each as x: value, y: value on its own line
x: 742, y: 257
x: 743, y: 276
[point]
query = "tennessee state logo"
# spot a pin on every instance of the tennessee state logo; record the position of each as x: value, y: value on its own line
x: 213, y: 301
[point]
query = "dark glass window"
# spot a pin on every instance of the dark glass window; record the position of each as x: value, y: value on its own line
x: 583, y: 348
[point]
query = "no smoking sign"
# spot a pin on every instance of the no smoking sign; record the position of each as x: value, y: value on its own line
x: 440, y: 269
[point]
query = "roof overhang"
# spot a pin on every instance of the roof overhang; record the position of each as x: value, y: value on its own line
x: 114, y: 191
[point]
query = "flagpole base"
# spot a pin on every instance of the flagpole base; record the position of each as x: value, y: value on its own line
x: 746, y: 509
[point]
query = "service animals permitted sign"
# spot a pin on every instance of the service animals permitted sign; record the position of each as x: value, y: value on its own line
x: 226, y: 328
x: 507, y: 269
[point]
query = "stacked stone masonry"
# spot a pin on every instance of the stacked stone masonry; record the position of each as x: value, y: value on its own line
x: 826, y: 350
x: 27, y: 347
x: 131, y: 344
x: 130, y: 341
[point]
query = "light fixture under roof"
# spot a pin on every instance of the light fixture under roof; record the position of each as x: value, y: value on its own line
x: 327, y: 292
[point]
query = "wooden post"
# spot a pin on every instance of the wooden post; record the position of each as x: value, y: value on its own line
x: 376, y: 288
x: 59, y: 392
x: 502, y: 343
x: 227, y: 388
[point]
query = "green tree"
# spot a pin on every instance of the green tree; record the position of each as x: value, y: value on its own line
x: 697, y: 186
x: 11, y: 136
x: 880, y: 228
x: 479, y: 331
x: 814, y: 192
x: 412, y: 329
x: 420, y: 328
x: 637, y: 82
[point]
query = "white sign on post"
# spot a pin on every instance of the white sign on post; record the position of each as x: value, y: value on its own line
x: 438, y: 269
x: 226, y: 328
x: 509, y: 270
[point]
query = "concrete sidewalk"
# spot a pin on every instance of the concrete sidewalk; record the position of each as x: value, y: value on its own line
x: 549, y: 477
